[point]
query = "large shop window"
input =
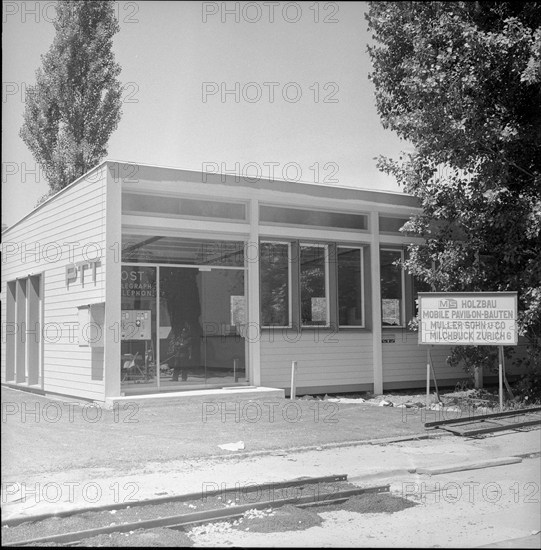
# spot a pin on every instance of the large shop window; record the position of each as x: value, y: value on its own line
x: 274, y: 284
x: 314, y: 284
x: 390, y: 224
x: 138, y: 325
x: 392, y: 288
x: 350, y: 287
x: 316, y: 218
x: 176, y: 250
x: 183, y: 319
x: 138, y: 204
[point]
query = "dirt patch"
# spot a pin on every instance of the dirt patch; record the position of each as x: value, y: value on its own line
x: 93, y: 520
x: 460, y: 400
x: 160, y: 537
x: 285, y: 518
x: 371, y: 503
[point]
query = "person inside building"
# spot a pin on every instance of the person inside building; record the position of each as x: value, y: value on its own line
x: 180, y: 347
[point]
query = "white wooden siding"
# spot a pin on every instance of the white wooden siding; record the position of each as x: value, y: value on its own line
x: 323, y: 359
x: 76, y: 215
x: 405, y: 360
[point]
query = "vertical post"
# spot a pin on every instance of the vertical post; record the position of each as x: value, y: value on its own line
x: 293, y: 379
x: 427, y: 378
x: 375, y: 281
x: 147, y: 377
x: 500, y: 374
x: 156, y: 355
x: 111, y: 181
x: 235, y: 370
x: 253, y: 373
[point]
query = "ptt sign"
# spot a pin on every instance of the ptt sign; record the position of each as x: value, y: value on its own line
x: 76, y: 271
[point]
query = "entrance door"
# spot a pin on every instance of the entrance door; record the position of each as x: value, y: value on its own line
x: 224, y: 320
x: 202, y: 318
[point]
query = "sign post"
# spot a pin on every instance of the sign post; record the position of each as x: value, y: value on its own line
x: 468, y: 319
x: 500, y: 374
x: 427, y: 377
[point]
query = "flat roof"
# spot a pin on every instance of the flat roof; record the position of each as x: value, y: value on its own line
x: 164, y: 173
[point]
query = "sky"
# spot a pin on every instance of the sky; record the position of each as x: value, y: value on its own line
x: 254, y: 88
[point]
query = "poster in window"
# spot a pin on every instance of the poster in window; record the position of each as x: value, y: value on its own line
x: 390, y: 311
x: 319, y: 310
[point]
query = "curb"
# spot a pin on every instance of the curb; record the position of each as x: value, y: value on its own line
x: 530, y: 541
x: 385, y: 474
x: 489, y: 463
x: 326, y: 446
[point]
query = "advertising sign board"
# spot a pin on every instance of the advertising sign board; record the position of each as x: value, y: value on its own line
x: 468, y: 318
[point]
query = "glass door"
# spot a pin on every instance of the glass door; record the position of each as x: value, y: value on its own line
x: 201, y: 319
x: 224, y: 321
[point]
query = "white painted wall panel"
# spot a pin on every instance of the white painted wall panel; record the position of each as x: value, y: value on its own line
x: 322, y: 359
x: 39, y: 244
x: 405, y: 360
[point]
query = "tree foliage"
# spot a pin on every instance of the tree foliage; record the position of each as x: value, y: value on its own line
x: 75, y: 104
x: 461, y: 81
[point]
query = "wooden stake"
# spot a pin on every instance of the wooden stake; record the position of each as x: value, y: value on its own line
x: 293, y: 381
x: 434, y: 376
x: 505, y: 381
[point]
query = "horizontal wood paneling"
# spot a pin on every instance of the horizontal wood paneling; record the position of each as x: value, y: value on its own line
x: 338, y: 359
x: 39, y: 244
x: 405, y: 360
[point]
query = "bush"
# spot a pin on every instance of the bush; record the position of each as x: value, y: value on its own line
x: 528, y: 388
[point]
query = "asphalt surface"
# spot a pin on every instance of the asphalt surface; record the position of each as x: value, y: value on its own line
x: 89, y: 456
x: 43, y: 434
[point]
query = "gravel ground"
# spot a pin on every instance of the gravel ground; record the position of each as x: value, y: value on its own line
x: 152, y: 538
x: 292, y: 518
x: 132, y: 514
x: 285, y: 518
x: 46, y: 437
x: 92, y: 520
x: 371, y: 503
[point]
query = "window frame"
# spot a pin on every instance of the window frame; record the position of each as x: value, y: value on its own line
x: 402, y: 288
x: 153, y: 214
x: 363, y: 290
x: 289, y: 284
x: 404, y: 217
x: 366, y: 215
x: 326, y: 247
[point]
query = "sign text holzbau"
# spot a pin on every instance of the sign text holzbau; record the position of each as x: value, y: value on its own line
x: 468, y: 318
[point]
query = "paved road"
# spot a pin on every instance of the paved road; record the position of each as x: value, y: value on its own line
x: 496, y: 506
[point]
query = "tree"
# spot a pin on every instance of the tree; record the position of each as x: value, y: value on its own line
x: 461, y: 81
x: 75, y: 104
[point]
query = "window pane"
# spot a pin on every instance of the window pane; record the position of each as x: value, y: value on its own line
x: 391, y: 288
x: 212, y: 209
x: 298, y: 216
x: 274, y: 268
x: 138, y: 326
x: 350, y: 294
x: 175, y: 250
x: 389, y: 224
x: 313, y: 294
x: 133, y: 203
